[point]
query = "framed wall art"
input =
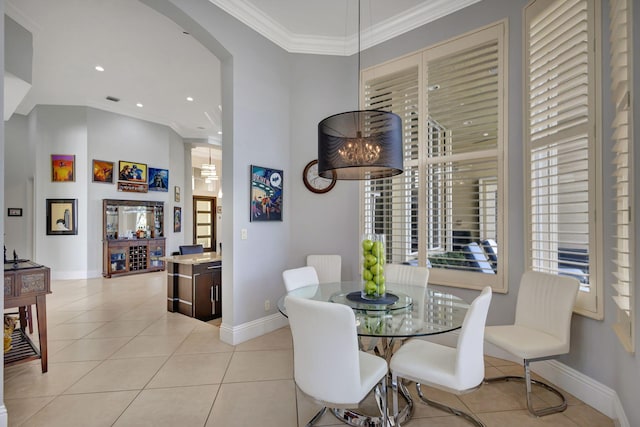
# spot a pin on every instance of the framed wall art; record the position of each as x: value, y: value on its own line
x: 177, y: 219
x: 176, y: 193
x: 62, y: 217
x: 102, y: 171
x: 63, y: 167
x: 14, y: 211
x: 158, y: 179
x: 132, y: 172
x: 266, y: 194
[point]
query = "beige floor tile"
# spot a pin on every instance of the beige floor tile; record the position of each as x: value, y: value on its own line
x: 279, y: 339
x: 498, y: 396
x: 72, y: 331
x: 149, y: 346
x: 95, y: 316
x: 83, y: 410
x: 260, y: 366
x: 422, y: 410
x: 118, y: 375
x: 204, y: 342
x: 120, y: 328
x: 172, y: 324
x: 494, y: 361
x: 21, y: 409
x: 191, y: 369
x: 183, y: 406
x: 262, y: 403
x: 54, y: 346
x: 89, y: 349
x: 586, y: 416
x: 33, y: 383
x: 524, y: 419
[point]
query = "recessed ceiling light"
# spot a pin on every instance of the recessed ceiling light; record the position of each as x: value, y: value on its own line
x: 467, y: 122
x: 139, y: 104
x: 189, y: 98
x: 485, y: 134
x: 219, y: 132
x: 99, y: 68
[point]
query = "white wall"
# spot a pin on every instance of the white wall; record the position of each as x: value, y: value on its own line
x: 88, y: 134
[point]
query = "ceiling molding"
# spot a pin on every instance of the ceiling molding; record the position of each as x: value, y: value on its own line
x: 250, y: 15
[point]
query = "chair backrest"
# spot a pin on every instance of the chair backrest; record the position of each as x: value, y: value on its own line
x: 328, y: 267
x: 545, y: 302
x: 412, y: 280
x: 470, y: 354
x: 298, y: 277
x: 191, y: 249
x: 326, y: 358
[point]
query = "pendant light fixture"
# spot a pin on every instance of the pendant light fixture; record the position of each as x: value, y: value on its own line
x: 363, y: 144
x: 208, y: 171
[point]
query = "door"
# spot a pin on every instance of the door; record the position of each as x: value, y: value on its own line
x: 204, y: 220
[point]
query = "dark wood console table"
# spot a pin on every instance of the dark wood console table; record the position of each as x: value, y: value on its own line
x: 27, y: 283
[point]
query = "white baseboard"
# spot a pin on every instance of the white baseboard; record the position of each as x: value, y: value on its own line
x: 4, y: 418
x: 69, y: 275
x: 241, y: 333
x: 588, y: 390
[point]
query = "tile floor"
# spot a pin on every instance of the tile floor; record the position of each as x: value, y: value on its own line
x: 118, y: 358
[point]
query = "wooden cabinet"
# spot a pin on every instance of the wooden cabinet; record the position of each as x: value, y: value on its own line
x: 194, y: 285
x: 133, y: 239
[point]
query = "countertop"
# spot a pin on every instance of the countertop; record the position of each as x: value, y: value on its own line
x: 194, y: 259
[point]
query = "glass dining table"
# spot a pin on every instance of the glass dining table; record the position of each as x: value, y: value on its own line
x: 408, y: 311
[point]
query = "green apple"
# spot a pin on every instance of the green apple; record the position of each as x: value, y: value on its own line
x: 370, y: 260
x: 367, y: 275
x: 367, y: 244
x: 376, y: 269
x: 377, y: 248
x: 378, y: 279
x: 381, y: 288
x: 370, y: 288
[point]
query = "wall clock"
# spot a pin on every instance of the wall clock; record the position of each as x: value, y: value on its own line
x: 315, y: 182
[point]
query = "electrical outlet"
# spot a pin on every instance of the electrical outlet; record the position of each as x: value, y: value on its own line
x: 243, y: 234
x: 267, y: 305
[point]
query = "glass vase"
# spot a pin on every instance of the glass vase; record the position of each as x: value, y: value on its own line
x: 373, y: 261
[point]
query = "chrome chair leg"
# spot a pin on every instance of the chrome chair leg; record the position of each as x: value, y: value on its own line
x: 449, y: 409
x: 528, y: 382
x: 317, y: 416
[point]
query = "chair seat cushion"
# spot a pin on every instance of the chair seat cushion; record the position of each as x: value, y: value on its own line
x: 526, y: 343
x: 426, y: 363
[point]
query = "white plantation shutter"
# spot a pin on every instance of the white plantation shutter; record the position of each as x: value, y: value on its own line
x: 390, y: 204
x: 561, y: 144
x: 622, y: 146
x: 451, y: 100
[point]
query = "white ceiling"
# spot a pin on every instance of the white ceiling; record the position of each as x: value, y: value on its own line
x: 148, y: 59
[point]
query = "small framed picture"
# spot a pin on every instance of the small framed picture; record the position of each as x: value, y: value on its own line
x: 61, y: 216
x: 14, y: 211
x: 266, y: 194
x: 158, y: 179
x: 63, y: 167
x: 132, y: 171
x: 177, y: 219
x: 102, y: 171
x: 176, y: 193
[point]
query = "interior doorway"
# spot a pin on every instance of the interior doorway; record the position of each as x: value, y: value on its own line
x: 204, y: 221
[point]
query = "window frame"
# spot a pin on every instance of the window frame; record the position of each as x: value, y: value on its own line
x: 589, y: 304
x: 497, y: 32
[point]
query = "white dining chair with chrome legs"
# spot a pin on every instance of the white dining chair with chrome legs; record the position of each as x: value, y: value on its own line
x: 541, y: 330
x: 328, y: 366
x: 456, y: 370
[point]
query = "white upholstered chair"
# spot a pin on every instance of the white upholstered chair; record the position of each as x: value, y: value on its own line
x: 328, y: 267
x: 411, y: 280
x: 541, y: 329
x: 328, y: 366
x: 298, y: 277
x: 456, y: 370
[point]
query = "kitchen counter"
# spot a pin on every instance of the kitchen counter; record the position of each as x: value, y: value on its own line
x: 194, y: 285
x: 193, y: 259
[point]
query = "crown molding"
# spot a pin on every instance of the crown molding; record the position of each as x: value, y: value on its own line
x: 253, y: 17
